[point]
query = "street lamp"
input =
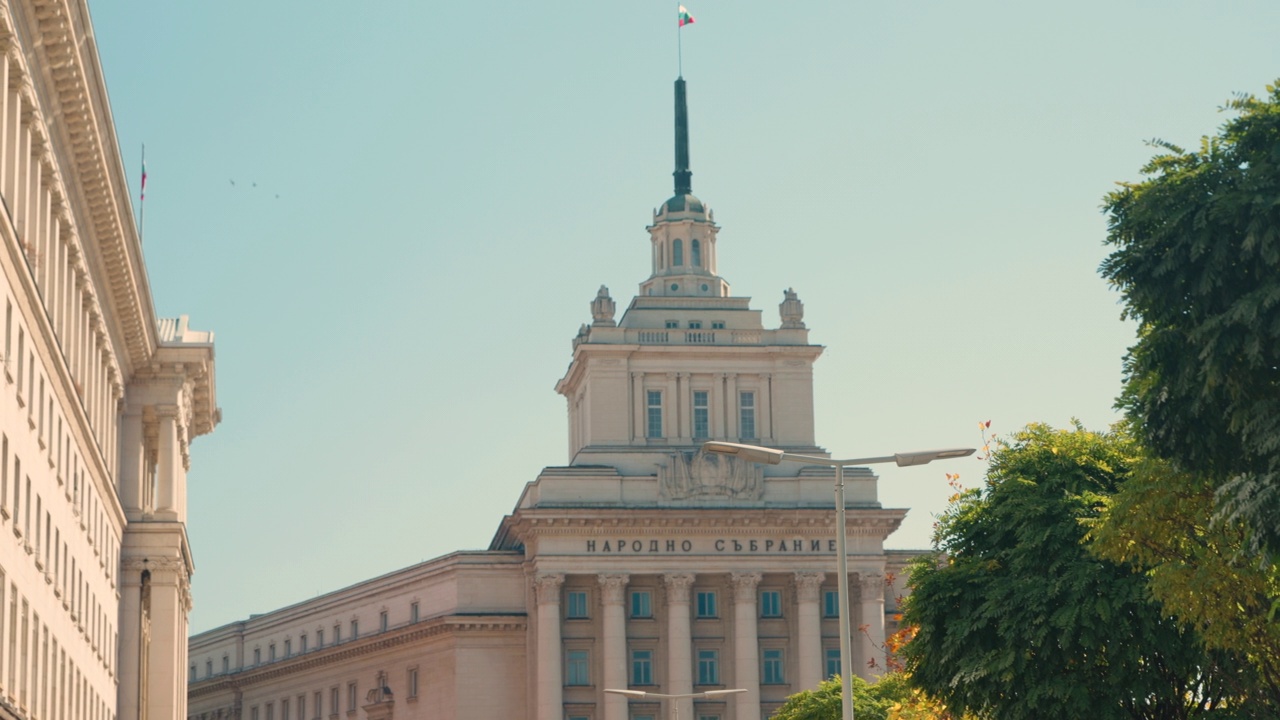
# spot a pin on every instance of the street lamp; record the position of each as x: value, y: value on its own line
x: 675, y: 707
x: 771, y: 456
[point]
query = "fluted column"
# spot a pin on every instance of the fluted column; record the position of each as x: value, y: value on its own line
x: 746, y: 644
x: 809, y: 628
x: 614, y: 643
x: 549, y: 684
x: 679, y: 640
x: 872, y: 594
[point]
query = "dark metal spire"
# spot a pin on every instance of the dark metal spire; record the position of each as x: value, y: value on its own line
x: 683, y: 176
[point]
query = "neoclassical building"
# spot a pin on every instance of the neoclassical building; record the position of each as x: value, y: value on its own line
x: 99, y: 401
x: 643, y: 563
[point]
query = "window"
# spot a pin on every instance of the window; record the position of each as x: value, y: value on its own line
x: 832, y: 657
x: 355, y: 629
x: 257, y: 656
x: 302, y: 707
x: 695, y: 324
x: 706, y: 601
x: 271, y: 711
x: 208, y: 668
x: 284, y: 709
x: 672, y: 324
x: 337, y: 633
x: 577, y: 668
x: 641, y: 605
x: 708, y: 667
x: 193, y: 671
x: 413, y: 682
x: 575, y: 607
x: 708, y: 717
x: 302, y: 642
x: 271, y: 652
x: 333, y: 700
x: 288, y: 648
x: 747, y: 414
x: 320, y: 638
x: 351, y: 697
x: 413, y: 612
x: 253, y: 713
x: 773, y: 668
x: 831, y: 603
x: 695, y: 253
x: 383, y: 621
x: 677, y: 252
x: 770, y: 604
x: 717, y: 324
x: 318, y: 699
x: 226, y: 664
x: 654, y: 398
x: 641, y: 667
x: 701, y: 415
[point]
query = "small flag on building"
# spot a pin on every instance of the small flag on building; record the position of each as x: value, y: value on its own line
x: 685, y: 17
x: 143, y: 194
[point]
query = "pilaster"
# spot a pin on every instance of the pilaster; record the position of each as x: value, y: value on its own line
x: 746, y: 643
x: 614, y: 642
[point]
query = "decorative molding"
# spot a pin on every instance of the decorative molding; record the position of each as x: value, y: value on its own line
x: 546, y: 587
x: 613, y: 586
x: 808, y: 585
x: 678, y: 585
x: 744, y: 586
x: 699, y: 474
x: 871, y: 586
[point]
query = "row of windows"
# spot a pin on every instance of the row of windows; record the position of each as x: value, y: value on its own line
x: 706, y: 604
x: 701, y: 414
x: 295, y: 708
x: 693, y: 325
x: 641, y: 673
x: 285, y: 649
x: 677, y: 254
x: 36, y: 672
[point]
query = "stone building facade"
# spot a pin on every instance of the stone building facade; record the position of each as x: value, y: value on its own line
x: 643, y: 563
x: 99, y: 401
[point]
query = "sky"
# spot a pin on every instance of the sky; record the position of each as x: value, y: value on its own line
x: 394, y: 217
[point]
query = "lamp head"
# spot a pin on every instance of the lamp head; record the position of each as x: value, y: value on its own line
x: 750, y: 453
x: 924, y: 457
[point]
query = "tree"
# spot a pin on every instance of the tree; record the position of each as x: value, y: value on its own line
x: 1016, y: 619
x: 889, y: 698
x: 1161, y: 524
x: 1197, y: 260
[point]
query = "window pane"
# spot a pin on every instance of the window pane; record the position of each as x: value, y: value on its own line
x: 772, y: 666
x: 642, y: 667
x: 706, y: 604
x: 654, y: 429
x: 708, y: 667
x: 831, y: 603
x: 770, y: 603
x: 833, y: 662
x: 577, y: 668
x: 640, y: 605
x: 701, y: 415
x: 747, y: 415
x: 576, y: 604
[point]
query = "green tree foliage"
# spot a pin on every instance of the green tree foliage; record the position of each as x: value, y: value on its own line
x: 1161, y: 523
x: 1015, y: 619
x: 889, y: 698
x: 1197, y: 259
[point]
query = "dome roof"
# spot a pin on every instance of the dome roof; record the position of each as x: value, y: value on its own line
x: 682, y: 203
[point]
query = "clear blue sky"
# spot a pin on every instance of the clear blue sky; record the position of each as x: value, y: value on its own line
x: 442, y: 187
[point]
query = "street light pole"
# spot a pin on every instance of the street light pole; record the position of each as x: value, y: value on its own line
x: 772, y: 456
x: 675, y: 707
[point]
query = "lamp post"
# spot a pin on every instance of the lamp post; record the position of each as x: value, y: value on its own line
x: 675, y: 707
x: 771, y: 456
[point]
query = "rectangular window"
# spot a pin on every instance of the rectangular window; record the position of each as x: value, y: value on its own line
x: 257, y: 656
x: 351, y: 697
x: 770, y: 604
x: 355, y: 629
x: 320, y: 638
x: 302, y: 707
x: 747, y: 415
x: 208, y: 668
x: 695, y: 324
x: 717, y: 324
x: 831, y: 603
x: 575, y: 606
x: 383, y: 621
x: 641, y: 667
x: 708, y: 667
x: 706, y: 601
x: 288, y: 648
x: 318, y: 700
x: 654, y: 406
x: 772, y: 673
x: 337, y: 633
x: 577, y: 668
x: 226, y: 664
x: 271, y: 711
x: 832, y: 657
x: 641, y: 605
x: 413, y: 612
x: 333, y: 700
x: 413, y: 682
x: 253, y: 713
x: 701, y: 415
x: 271, y: 652
x: 672, y: 324
x: 302, y: 642
x: 284, y: 710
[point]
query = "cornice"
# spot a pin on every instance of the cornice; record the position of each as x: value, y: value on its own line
x: 664, y: 521
x: 448, y: 625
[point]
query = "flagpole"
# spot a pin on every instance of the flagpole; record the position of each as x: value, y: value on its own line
x: 679, y: 45
x: 142, y: 196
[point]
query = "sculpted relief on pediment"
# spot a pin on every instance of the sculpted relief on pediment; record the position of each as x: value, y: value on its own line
x: 696, y: 475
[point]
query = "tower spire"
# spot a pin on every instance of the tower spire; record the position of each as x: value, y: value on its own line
x: 683, y: 176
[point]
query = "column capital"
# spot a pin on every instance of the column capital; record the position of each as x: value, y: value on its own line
x: 678, y: 585
x: 744, y: 586
x: 807, y: 585
x: 547, y: 588
x: 612, y: 586
x: 872, y: 586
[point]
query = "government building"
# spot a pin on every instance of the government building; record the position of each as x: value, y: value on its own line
x: 642, y: 564
x: 99, y: 401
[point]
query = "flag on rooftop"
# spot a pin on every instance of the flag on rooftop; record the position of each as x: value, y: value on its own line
x: 685, y: 17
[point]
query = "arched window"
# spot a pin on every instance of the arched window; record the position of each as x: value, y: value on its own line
x: 695, y: 253
x: 662, y: 257
x: 677, y: 252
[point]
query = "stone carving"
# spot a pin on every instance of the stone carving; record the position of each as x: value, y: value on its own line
x: 612, y: 588
x: 547, y: 588
x: 744, y: 586
x: 807, y: 585
x: 697, y: 474
x: 871, y: 586
x: 678, y: 585
x: 603, y: 308
x: 791, y: 309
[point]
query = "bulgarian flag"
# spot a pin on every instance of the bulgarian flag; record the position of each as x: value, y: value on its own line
x: 684, y: 16
x: 143, y: 194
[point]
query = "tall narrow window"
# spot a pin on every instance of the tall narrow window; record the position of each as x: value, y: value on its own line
x: 318, y: 700
x: 695, y: 253
x: 677, y: 253
x: 831, y: 603
x: 575, y: 606
x: 288, y: 648
x: 833, y: 661
x: 701, y: 415
x: 772, y: 670
x: 708, y: 667
x: 747, y: 415
x: 655, y: 413
x: 302, y: 707
x: 413, y: 612
x: 355, y: 629
x: 383, y: 621
x: 641, y: 604
x: 302, y: 643
x: 351, y: 697
x: 641, y: 667
x: 577, y: 668
x: 333, y: 700
x: 706, y: 603
x: 413, y: 682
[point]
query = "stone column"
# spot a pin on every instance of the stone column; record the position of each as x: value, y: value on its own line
x: 871, y: 588
x: 549, y: 684
x: 168, y: 464
x: 614, y: 643
x: 679, y: 641
x: 746, y: 645
x: 809, y: 628
x: 130, y: 638
x: 764, y: 410
x: 165, y: 684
